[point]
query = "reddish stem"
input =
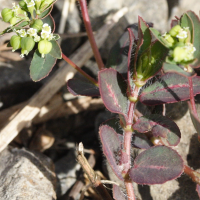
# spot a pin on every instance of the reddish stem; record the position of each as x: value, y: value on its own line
x: 130, y: 191
x: 195, y: 176
x: 88, y: 27
x: 79, y: 70
x: 192, y: 96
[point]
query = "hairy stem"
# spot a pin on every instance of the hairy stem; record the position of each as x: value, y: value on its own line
x: 192, y: 96
x: 79, y: 70
x: 195, y: 176
x: 130, y: 191
x: 88, y: 27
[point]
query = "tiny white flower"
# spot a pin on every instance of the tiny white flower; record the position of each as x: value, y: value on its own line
x: 37, y: 38
x: 182, y: 34
x: 22, y: 33
x: 32, y: 32
x: 31, y: 4
x: 46, y: 28
x: 44, y: 35
x: 51, y: 37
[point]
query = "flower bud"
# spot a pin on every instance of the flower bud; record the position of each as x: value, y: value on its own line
x: 44, y: 47
x: 15, y: 42
x: 37, y: 24
x: 27, y: 44
x: 7, y: 14
x: 22, y: 4
x: 169, y: 39
x: 175, y: 30
x: 179, y: 54
x: 14, y: 20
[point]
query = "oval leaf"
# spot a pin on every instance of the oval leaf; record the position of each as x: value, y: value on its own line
x: 112, y: 149
x: 55, y: 51
x: 113, y: 91
x: 50, y: 21
x: 196, y: 32
x: 41, y: 67
x: 170, y: 88
x: 118, y: 57
x: 139, y: 140
x: 167, y: 67
x: 82, y: 87
x: 160, y: 126
x: 156, y: 166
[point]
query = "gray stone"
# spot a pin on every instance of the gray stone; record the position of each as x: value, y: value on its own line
x: 26, y: 176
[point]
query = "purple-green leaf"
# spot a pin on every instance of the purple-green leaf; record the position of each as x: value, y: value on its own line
x: 195, y: 120
x: 41, y: 67
x: 112, y: 88
x: 167, y: 67
x: 139, y: 140
x: 112, y: 149
x: 118, y: 57
x: 82, y: 87
x: 156, y: 165
x: 160, y: 126
x: 118, y: 194
x: 170, y: 88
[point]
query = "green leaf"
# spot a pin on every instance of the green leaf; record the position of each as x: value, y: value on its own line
x: 56, y: 50
x: 46, y: 12
x: 159, y: 37
x: 41, y: 67
x: 196, y: 34
x: 187, y: 22
x: 169, y: 67
x: 50, y: 21
x: 144, y: 28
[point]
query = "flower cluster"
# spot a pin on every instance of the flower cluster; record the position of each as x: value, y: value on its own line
x: 26, y: 39
x: 181, y: 49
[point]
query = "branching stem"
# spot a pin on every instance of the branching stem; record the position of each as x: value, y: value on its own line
x: 88, y: 28
x: 79, y: 70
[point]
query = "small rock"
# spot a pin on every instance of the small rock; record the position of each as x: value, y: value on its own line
x: 26, y: 176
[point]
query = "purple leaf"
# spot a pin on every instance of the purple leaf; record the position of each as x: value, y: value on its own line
x: 160, y: 126
x: 113, y: 91
x: 195, y: 120
x: 139, y: 140
x: 170, y: 88
x: 197, y: 189
x: 82, y: 87
x: 112, y: 149
x: 156, y: 166
x: 118, y: 57
x: 174, y: 22
x: 118, y: 194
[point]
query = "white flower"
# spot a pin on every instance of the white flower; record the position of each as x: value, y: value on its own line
x: 37, y: 38
x: 182, y: 34
x: 46, y: 28
x: 51, y: 37
x: 22, y: 32
x: 32, y: 32
x: 31, y: 4
x: 23, y: 52
x: 44, y: 35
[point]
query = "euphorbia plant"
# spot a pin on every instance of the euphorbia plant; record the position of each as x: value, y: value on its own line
x: 136, y: 58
